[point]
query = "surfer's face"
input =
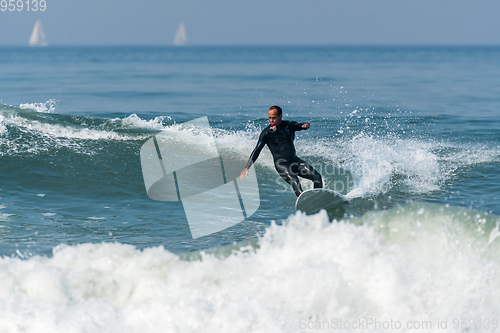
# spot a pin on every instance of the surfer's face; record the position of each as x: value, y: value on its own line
x: 274, y: 118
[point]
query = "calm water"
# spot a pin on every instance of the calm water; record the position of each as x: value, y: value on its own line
x: 414, y: 130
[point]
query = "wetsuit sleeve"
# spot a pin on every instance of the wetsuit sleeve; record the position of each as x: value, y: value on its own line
x: 295, y: 126
x: 258, y: 148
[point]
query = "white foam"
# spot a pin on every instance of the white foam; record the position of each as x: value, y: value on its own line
x: 69, y: 132
x: 3, y: 216
x: 398, y: 265
x: 135, y: 121
x: 3, y: 129
x: 58, y: 135
x: 54, y: 135
x: 60, y: 131
x: 47, y: 107
x: 48, y: 214
x: 375, y: 161
x: 378, y: 164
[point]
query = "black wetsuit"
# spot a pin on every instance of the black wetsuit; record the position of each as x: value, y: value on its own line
x: 288, y: 165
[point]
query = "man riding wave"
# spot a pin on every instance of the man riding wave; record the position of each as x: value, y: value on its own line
x: 279, y: 136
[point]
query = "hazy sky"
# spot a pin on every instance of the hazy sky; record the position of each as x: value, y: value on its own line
x: 250, y: 22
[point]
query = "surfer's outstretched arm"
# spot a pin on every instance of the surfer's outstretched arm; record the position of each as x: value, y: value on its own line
x: 299, y: 126
x: 255, y: 154
x: 295, y: 126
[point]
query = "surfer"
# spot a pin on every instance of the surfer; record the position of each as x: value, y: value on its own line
x: 279, y: 136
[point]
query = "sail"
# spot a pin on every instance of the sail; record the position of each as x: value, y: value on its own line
x: 180, y: 36
x: 38, y: 36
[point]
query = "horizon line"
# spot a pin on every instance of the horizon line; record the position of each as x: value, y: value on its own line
x: 265, y: 45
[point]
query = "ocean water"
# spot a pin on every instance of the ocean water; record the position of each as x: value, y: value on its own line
x: 408, y: 134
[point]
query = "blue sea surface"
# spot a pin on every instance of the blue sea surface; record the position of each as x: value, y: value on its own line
x: 414, y: 130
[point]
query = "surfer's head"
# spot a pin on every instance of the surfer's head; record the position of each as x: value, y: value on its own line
x: 275, y: 115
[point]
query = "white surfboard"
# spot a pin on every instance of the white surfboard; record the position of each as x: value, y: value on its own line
x: 312, y: 201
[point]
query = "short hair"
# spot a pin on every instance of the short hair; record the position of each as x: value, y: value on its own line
x: 277, y: 108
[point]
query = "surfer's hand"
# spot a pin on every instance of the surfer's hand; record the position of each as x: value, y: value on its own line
x: 306, y: 126
x: 244, y: 172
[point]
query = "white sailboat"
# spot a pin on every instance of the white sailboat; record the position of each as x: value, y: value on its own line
x: 180, y: 37
x: 38, y: 36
